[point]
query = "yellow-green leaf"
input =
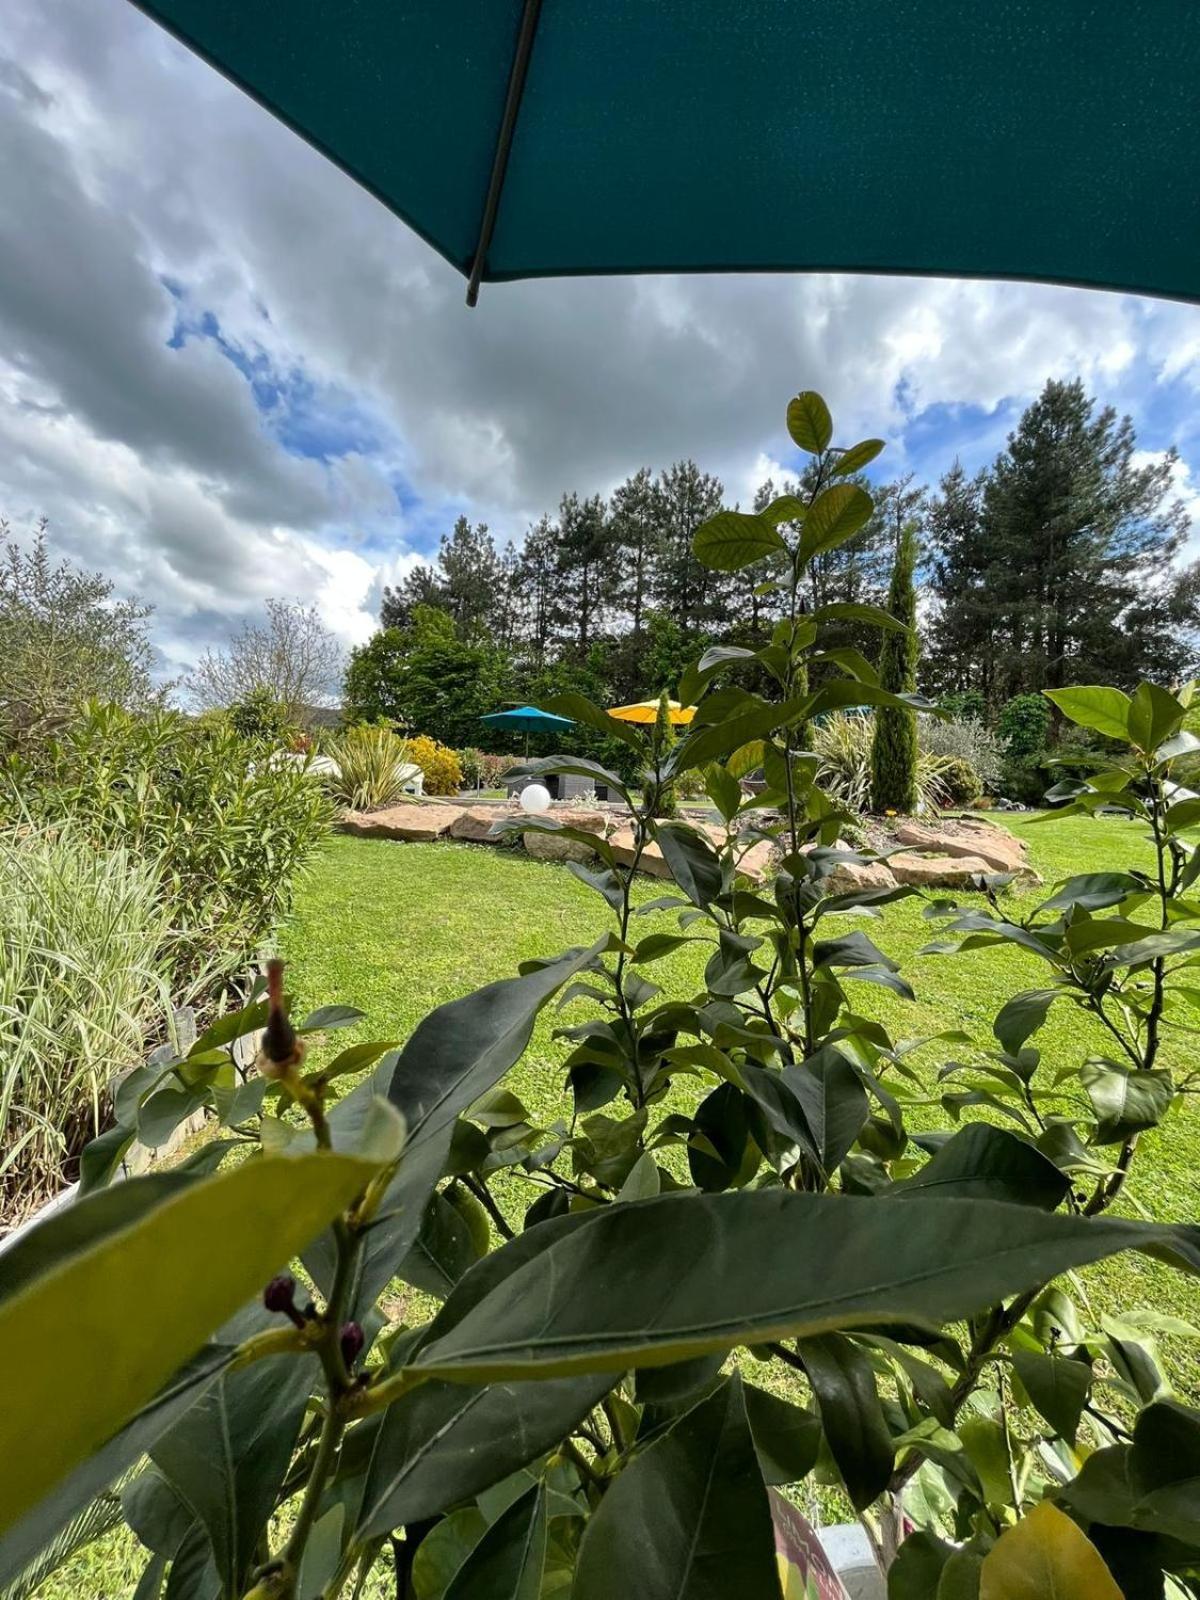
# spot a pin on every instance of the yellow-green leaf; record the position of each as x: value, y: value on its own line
x: 1045, y: 1557
x: 89, y: 1342
x: 809, y: 422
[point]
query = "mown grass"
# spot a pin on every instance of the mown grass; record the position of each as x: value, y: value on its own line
x: 398, y: 929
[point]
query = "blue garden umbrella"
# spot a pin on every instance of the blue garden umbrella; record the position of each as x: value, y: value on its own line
x: 527, y: 720
x: 526, y: 138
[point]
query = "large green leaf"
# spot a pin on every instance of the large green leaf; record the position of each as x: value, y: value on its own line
x: 694, y: 864
x: 462, y: 1049
x: 734, y: 539
x: 843, y: 1382
x: 96, y: 1337
x: 73, y: 1228
x: 444, y: 1442
x: 508, y: 1562
x: 21, y: 1544
x: 1057, y: 1386
x: 1021, y: 1016
x: 1094, y: 706
x: 227, y: 1457
x: 982, y: 1162
x: 1125, y: 1102
x: 714, y: 741
x: 809, y: 422
x: 787, y: 1438
x: 858, y: 611
x: 1164, y: 1469
x: 1154, y: 716
x: 835, y: 515
x: 834, y: 1103
x: 689, y: 1518
x: 748, y: 1267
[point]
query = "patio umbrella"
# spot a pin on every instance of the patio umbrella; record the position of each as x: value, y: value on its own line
x: 1057, y: 140
x: 527, y: 720
x: 647, y: 711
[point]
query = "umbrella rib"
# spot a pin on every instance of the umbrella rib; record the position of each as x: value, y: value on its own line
x: 508, y: 127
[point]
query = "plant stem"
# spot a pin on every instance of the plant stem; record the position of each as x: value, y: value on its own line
x: 486, y: 1199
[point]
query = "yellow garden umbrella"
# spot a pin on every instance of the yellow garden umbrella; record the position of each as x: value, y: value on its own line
x: 647, y: 711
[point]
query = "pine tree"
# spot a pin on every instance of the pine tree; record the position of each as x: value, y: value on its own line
x: 894, y: 746
x: 472, y: 584
x: 585, y: 566
x: 690, y: 594
x: 961, y: 633
x: 634, y: 545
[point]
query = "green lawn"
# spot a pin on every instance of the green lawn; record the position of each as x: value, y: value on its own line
x: 397, y: 929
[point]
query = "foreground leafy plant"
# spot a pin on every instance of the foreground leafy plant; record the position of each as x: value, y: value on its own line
x: 734, y: 1194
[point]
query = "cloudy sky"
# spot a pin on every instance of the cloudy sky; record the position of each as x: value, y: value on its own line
x: 227, y: 373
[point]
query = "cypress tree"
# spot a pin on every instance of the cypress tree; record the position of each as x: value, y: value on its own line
x: 894, y: 746
x: 664, y: 738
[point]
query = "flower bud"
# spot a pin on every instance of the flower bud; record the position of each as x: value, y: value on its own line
x: 279, y: 1296
x: 351, y: 1340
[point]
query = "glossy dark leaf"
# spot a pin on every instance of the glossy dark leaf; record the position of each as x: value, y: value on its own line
x: 508, y: 1562
x: 981, y: 1162
x: 718, y: 1141
x: 1022, y: 1016
x: 325, y: 1018
x: 693, y: 863
x: 834, y: 1103
x: 442, y: 1250
x: 852, y: 1419
x: 1125, y: 1102
x: 688, y: 1518
x: 914, y: 1574
x: 1058, y: 1387
x: 227, y: 1457
x: 445, y: 1442
x: 787, y: 1438
x: 155, y: 1512
x: 752, y: 1266
x: 1093, y: 891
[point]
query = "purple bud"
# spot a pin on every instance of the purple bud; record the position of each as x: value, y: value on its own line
x: 351, y: 1341
x: 280, y: 1293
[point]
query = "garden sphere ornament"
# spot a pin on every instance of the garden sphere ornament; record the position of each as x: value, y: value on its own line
x: 535, y: 798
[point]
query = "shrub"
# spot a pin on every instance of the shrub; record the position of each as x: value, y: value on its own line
x: 964, y: 739
x: 370, y: 765
x: 438, y: 762
x: 958, y: 781
x: 843, y: 744
x: 483, y: 770
x: 84, y: 940
x: 259, y: 715
x: 1024, y: 726
x: 229, y: 826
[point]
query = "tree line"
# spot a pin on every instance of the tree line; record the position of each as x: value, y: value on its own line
x: 1057, y: 563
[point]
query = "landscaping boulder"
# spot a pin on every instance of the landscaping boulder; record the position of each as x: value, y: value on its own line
x: 414, y: 823
x: 848, y: 877
x: 1002, y: 851
x: 938, y: 871
x: 476, y: 823
x: 650, y: 860
x: 543, y: 845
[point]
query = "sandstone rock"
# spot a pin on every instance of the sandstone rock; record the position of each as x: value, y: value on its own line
x: 849, y: 876
x: 588, y: 821
x: 756, y: 862
x: 938, y: 871
x: 476, y: 822
x: 545, y: 846
x: 1002, y: 851
x: 415, y: 823
x: 650, y: 861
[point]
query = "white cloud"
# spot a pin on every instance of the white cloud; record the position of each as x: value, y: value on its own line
x: 127, y: 165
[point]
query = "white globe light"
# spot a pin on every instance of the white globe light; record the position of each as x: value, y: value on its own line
x: 535, y: 798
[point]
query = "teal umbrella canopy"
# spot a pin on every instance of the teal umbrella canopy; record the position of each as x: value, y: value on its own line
x: 528, y: 719
x: 1043, y: 139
